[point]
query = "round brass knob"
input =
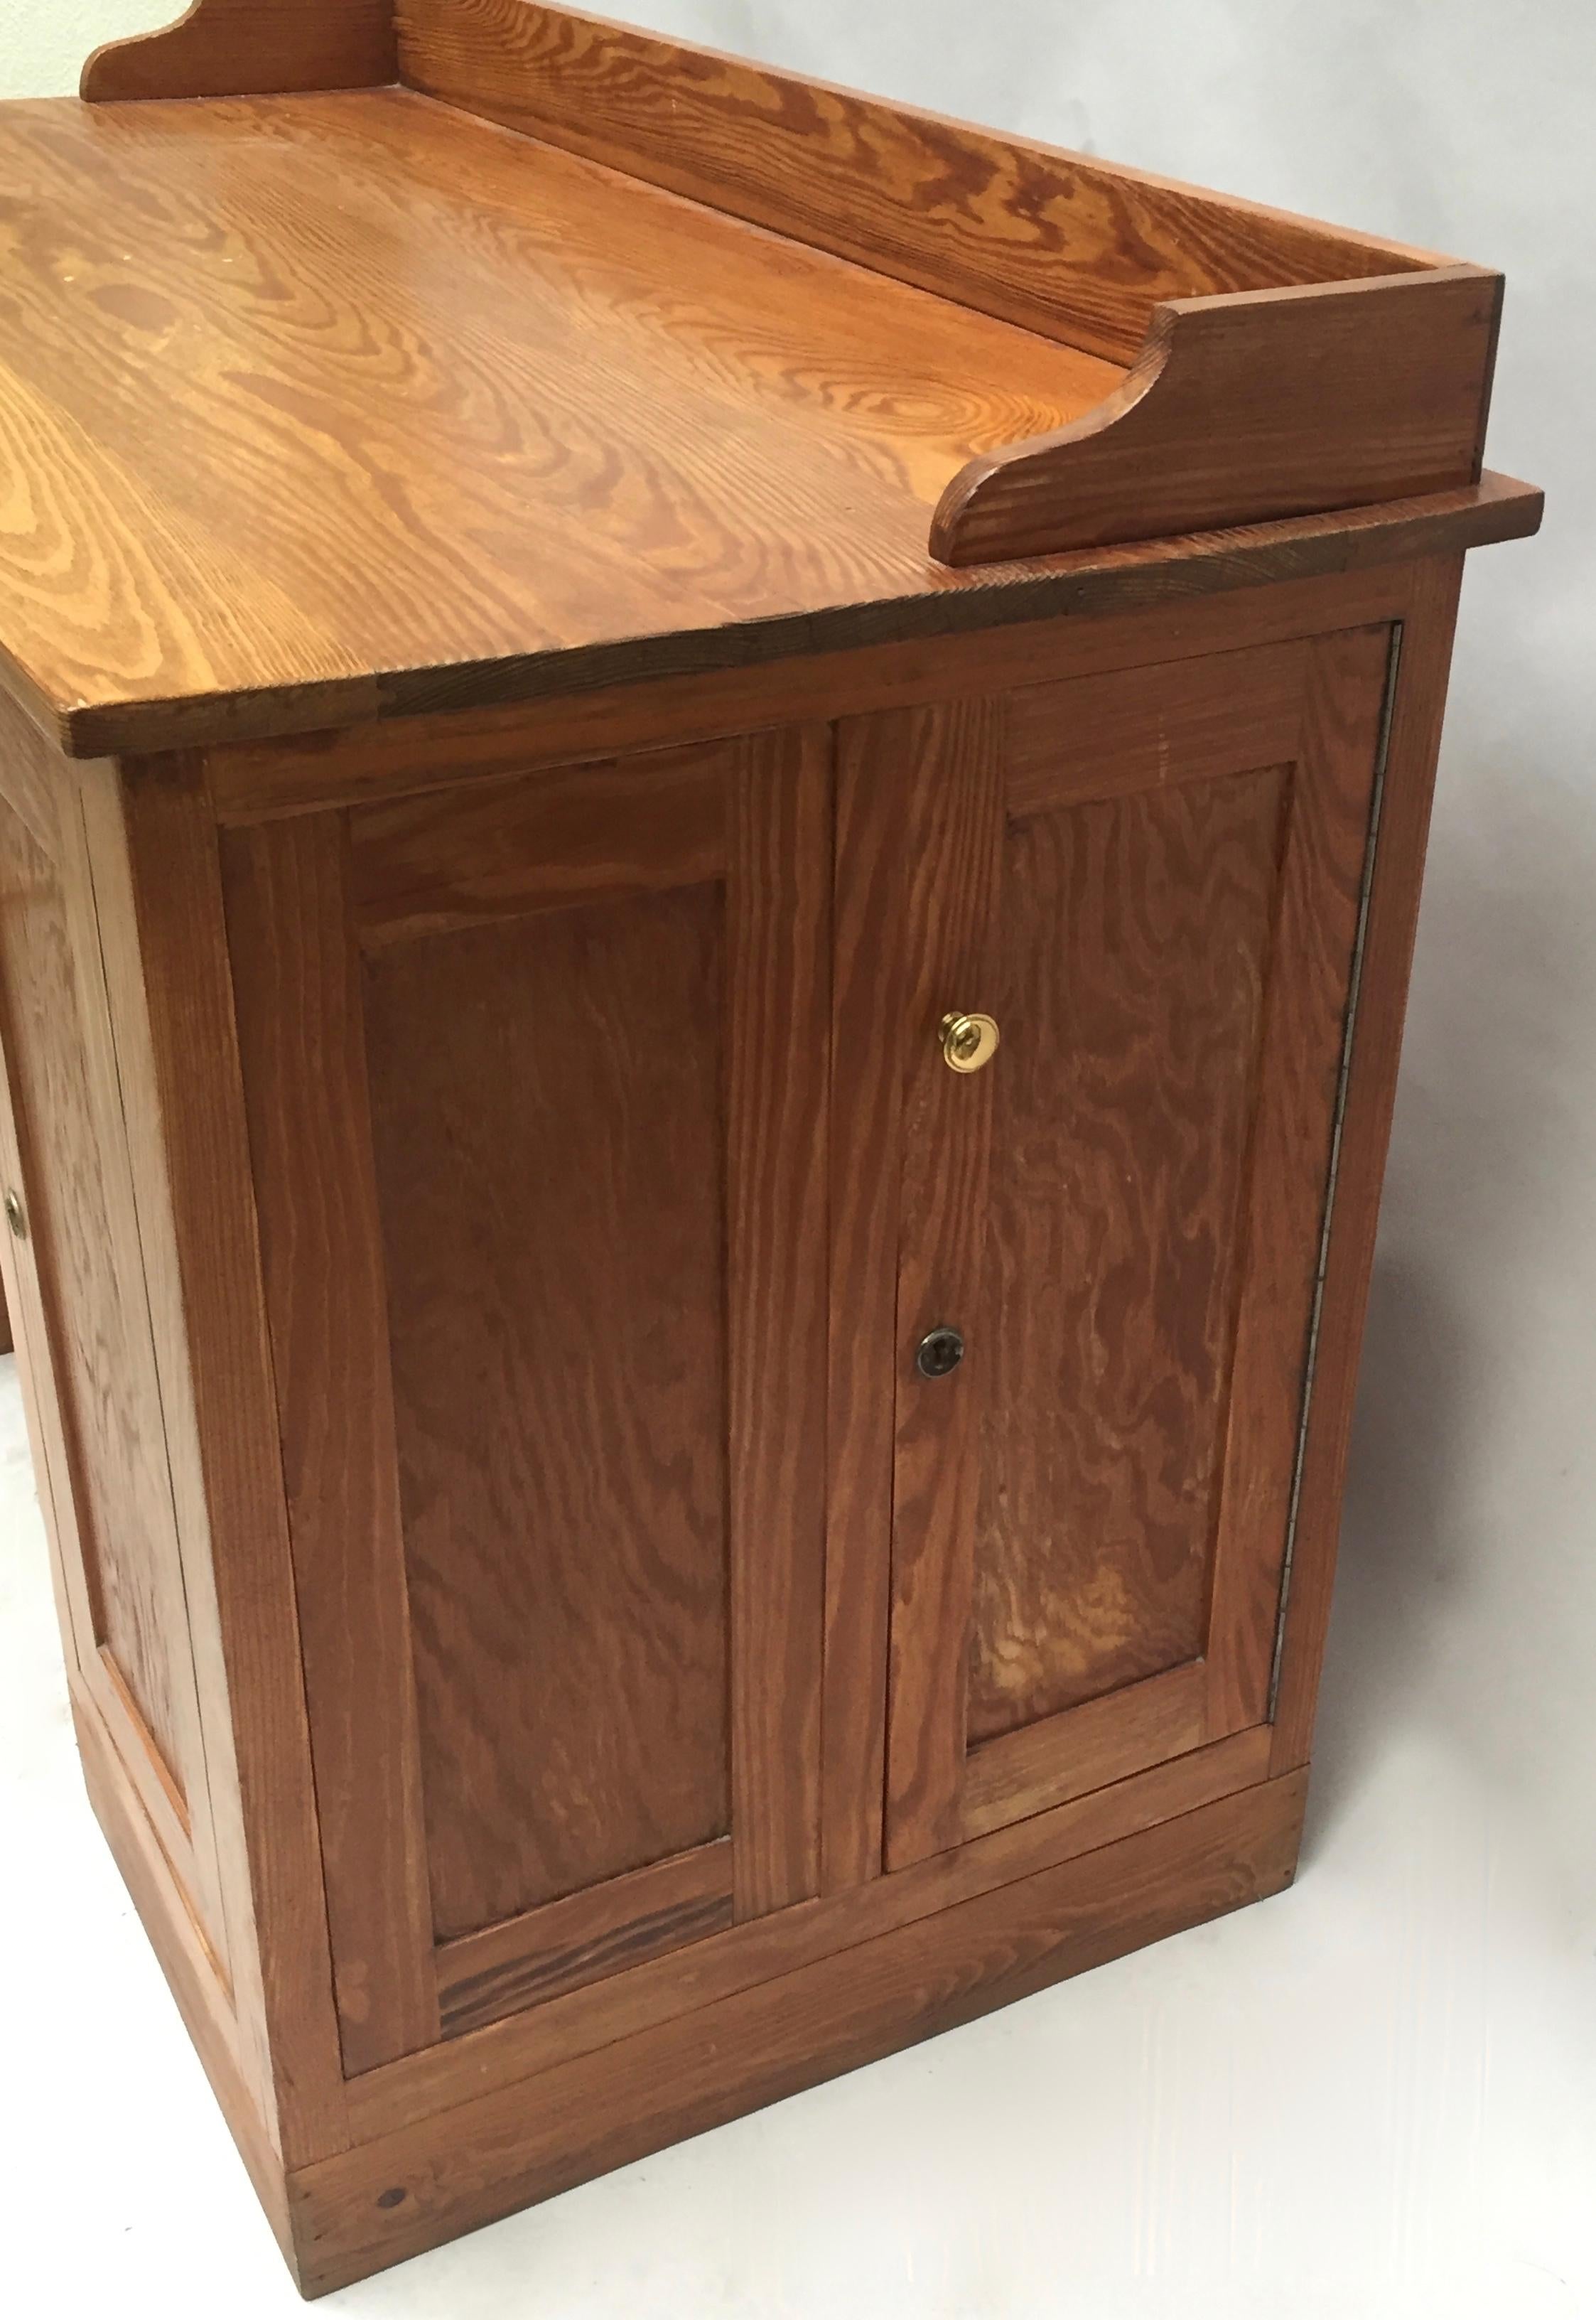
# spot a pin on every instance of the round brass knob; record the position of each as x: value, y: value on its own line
x: 968, y: 1041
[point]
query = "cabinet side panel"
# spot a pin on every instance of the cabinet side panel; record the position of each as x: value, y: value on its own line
x: 1292, y: 1162
x: 95, y: 1397
x: 546, y: 1098
x: 26, y: 793
x: 111, y: 1442
x: 1424, y: 650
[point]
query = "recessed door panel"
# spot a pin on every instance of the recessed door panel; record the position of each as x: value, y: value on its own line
x: 1132, y: 956
x: 546, y: 1113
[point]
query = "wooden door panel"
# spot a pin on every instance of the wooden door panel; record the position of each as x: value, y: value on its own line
x: 535, y: 1074
x: 1131, y: 962
x: 546, y: 1094
x: 1122, y: 1212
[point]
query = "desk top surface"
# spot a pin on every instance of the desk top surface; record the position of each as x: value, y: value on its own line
x: 298, y: 392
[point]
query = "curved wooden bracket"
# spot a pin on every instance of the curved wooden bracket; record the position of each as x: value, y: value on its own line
x: 1244, y: 408
x: 251, y: 48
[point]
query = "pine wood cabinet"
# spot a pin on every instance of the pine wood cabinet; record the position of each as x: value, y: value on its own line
x: 704, y: 916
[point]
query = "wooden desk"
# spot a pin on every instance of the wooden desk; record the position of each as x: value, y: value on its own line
x: 712, y: 808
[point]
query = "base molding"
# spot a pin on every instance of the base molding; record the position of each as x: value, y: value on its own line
x: 520, y: 2144
x: 451, y: 2169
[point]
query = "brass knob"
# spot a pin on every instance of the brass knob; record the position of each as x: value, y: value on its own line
x: 16, y: 1216
x: 968, y: 1041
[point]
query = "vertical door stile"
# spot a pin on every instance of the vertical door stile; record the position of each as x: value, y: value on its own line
x: 778, y: 848
x: 869, y: 1043
x: 952, y: 772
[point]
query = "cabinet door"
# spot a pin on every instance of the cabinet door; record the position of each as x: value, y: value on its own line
x: 1152, y: 882
x: 537, y: 1076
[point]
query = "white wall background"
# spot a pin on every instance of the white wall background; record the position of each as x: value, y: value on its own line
x: 1378, y: 2095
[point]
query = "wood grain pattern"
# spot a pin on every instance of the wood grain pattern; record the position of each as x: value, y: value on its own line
x: 1089, y: 738
x: 1033, y: 1767
x: 97, y: 1344
x: 78, y: 1276
x: 586, y: 834
x: 1193, y: 609
x: 600, y: 2111
x: 514, y: 406
x: 156, y: 860
x: 1171, y: 960
x: 234, y: 48
x: 548, y: 1145
x: 238, y: 1954
x: 1424, y: 657
x: 1132, y: 968
x: 945, y: 768
x: 297, y: 991
x: 588, y: 1936
x: 34, y: 782
x: 514, y: 2051
x: 554, y: 1672
x: 1072, y: 247
x: 41, y: 1401
x: 778, y: 1067
x: 1321, y: 874
x: 868, y: 967
x: 600, y: 1298
x: 1331, y: 398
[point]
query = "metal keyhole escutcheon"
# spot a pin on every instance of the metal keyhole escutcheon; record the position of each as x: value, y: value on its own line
x: 16, y: 1216
x: 939, y: 1352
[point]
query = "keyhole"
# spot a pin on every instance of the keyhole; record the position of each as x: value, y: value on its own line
x: 939, y: 1352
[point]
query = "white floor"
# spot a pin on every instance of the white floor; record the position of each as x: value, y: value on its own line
x: 1372, y: 2096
